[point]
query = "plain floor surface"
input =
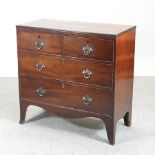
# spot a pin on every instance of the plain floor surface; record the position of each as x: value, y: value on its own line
x: 47, y: 134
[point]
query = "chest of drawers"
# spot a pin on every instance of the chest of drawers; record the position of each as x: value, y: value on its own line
x: 77, y: 70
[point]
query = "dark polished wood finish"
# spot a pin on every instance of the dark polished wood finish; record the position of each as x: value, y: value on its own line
x: 52, y: 70
x: 102, y: 49
x: 66, y: 94
x: 78, y: 27
x: 52, y: 42
x: 67, y: 69
x: 124, y: 69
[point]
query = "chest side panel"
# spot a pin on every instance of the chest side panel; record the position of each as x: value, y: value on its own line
x: 124, y: 72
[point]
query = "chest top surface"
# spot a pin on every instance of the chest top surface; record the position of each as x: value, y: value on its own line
x: 97, y: 28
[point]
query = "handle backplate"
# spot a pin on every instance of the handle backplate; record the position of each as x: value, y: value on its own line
x: 87, y: 100
x: 87, y: 50
x: 87, y: 73
x: 41, y: 91
x: 40, y: 66
x: 39, y: 44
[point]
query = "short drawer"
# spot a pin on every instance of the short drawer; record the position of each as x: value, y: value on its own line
x: 86, y: 72
x: 88, y: 48
x: 40, y: 42
x: 65, y: 94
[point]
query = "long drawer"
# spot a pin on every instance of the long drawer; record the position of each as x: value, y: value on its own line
x: 86, y: 72
x: 66, y: 94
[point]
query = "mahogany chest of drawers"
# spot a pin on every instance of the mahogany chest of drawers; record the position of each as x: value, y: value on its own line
x: 77, y: 70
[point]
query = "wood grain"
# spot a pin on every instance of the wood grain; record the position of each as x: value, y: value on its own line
x: 111, y: 63
x: 66, y: 69
x: 102, y: 49
x: 76, y: 27
x: 70, y: 95
x: 124, y: 73
x: 52, y: 42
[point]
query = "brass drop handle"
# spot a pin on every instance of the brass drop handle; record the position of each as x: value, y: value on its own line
x: 39, y: 44
x: 87, y: 50
x: 40, y: 66
x: 87, y: 73
x: 40, y: 91
x: 87, y: 100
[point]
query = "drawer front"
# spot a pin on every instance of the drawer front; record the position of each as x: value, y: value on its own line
x: 40, y: 42
x: 66, y: 94
x: 88, y: 48
x: 97, y: 74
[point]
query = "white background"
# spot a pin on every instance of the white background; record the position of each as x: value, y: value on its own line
x: 134, y: 12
